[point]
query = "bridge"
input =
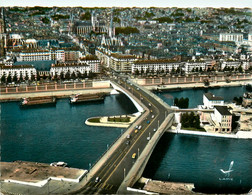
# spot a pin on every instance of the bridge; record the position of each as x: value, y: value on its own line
x: 123, y: 164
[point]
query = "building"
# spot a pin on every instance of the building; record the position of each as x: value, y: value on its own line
x: 18, y: 70
x: 231, y: 64
x: 93, y: 62
x: 34, y: 55
x: 195, y: 65
x: 155, y: 65
x: 122, y: 62
x: 210, y: 100
x: 222, y: 119
x: 63, y: 68
x: 236, y: 37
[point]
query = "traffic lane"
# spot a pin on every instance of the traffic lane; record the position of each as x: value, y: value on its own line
x: 127, y: 162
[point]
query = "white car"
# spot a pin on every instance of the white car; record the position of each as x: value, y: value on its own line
x: 152, y: 116
x: 154, y: 130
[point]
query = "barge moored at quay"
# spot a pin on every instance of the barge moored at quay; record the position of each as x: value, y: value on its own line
x: 38, y: 100
x: 86, y: 97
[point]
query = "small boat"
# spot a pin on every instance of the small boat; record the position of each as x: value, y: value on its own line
x: 58, y: 164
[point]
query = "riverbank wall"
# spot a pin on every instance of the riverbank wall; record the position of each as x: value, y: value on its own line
x: 238, y: 135
x: 57, y: 94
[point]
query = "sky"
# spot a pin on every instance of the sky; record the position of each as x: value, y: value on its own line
x: 130, y: 3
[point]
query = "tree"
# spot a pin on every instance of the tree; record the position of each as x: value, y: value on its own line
x: 44, y: 76
x: 38, y: 76
x: 176, y: 102
x: 32, y: 77
x: 61, y: 75
x: 79, y: 74
x: 3, y: 79
x: 15, y: 77
x: 147, y: 71
x: 9, y: 78
x: 136, y: 72
x: 240, y: 69
x: 73, y: 75
x: 21, y: 78
x: 85, y: 74
x: 142, y: 71
x: 67, y: 75
x: 26, y: 77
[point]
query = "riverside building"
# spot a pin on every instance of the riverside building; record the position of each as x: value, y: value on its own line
x: 17, y: 70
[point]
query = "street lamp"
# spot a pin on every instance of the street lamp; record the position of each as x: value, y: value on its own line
x: 158, y: 124
x: 138, y: 152
x: 89, y: 166
x: 124, y: 170
x: 107, y: 146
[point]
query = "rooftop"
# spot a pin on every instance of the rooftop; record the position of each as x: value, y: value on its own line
x: 223, y: 110
x: 210, y: 96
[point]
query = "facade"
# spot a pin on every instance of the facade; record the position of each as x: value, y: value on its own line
x: 93, y: 62
x: 103, y: 56
x: 210, y: 100
x: 230, y: 64
x: 194, y: 65
x: 156, y: 65
x: 36, y: 55
x: 222, y: 119
x: 58, y: 69
x: 17, y: 70
x: 236, y: 37
x: 121, y: 62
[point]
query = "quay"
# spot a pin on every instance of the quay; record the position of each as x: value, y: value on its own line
x: 21, y: 177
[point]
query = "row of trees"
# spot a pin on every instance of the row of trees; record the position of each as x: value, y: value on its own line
x: 190, y: 120
x: 161, y: 71
x: 15, y: 79
x: 181, y: 103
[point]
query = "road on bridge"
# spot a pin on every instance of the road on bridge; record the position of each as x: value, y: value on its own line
x: 111, y: 174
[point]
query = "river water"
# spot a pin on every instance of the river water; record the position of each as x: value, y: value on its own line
x: 58, y: 133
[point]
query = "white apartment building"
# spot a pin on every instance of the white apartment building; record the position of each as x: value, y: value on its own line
x: 194, y: 65
x: 210, y: 100
x: 230, y: 64
x: 18, y: 70
x: 236, y: 37
x: 35, y: 55
x: 93, y: 62
x: 103, y: 56
x: 222, y: 119
x: 156, y: 65
x: 122, y: 62
x: 57, y: 69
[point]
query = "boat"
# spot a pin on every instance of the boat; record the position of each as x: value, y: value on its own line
x: 58, y: 164
x: 38, y: 100
x: 86, y: 97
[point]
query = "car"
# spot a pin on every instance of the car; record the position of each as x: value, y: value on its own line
x: 137, y: 127
x: 150, y: 104
x: 140, y: 127
x: 136, y: 131
x: 128, y: 142
x: 148, y: 122
x: 128, y: 136
x: 152, y: 116
x: 97, y: 179
x: 154, y: 129
x: 148, y: 138
x: 134, y: 155
x: 151, y: 111
x: 137, y: 89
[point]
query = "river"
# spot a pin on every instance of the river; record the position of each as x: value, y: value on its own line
x: 58, y: 133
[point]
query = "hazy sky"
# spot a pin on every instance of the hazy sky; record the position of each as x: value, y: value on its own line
x: 130, y: 3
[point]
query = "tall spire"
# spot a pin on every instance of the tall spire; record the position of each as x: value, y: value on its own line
x: 111, y: 26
